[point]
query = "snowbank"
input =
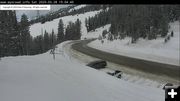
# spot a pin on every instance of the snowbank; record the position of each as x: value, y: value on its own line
x: 40, y: 78
x: 38, y: 28
x: 153, y: 50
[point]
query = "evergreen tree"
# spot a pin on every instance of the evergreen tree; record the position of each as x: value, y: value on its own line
x: 60, y: 35
x: 52, y: 39
x: 69, y: 32
x: 78, y: 29
x: 73, y: 31
x: 46, y: 41
x: 8, y: 33
x: 25, y: 34
x: 38, y: 42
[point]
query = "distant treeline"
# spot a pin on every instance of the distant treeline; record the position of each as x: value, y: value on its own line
x: 146, y: 21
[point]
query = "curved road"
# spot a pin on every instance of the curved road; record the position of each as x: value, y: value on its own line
x: 171, y: 71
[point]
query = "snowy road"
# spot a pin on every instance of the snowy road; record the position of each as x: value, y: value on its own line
x: 166, y: 71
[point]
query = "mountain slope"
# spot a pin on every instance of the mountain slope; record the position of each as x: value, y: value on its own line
x: 38, y: 28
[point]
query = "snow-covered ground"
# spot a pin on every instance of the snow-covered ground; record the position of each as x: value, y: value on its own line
x: 38, y: 28
x: 153, y: 50
x: 96, y: 33
x: 40, y: 78
x: 77, y: 7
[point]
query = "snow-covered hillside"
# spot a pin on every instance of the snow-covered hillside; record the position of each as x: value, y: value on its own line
x: 77, y: 7
x: 38, y: 28
x: 154, y: 50
x: 40, y: 78
x: 97, y: 32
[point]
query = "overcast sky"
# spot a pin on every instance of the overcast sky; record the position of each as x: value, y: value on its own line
x: 33, y: 13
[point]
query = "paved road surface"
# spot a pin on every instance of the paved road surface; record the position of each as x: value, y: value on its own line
x: 133, y: 63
